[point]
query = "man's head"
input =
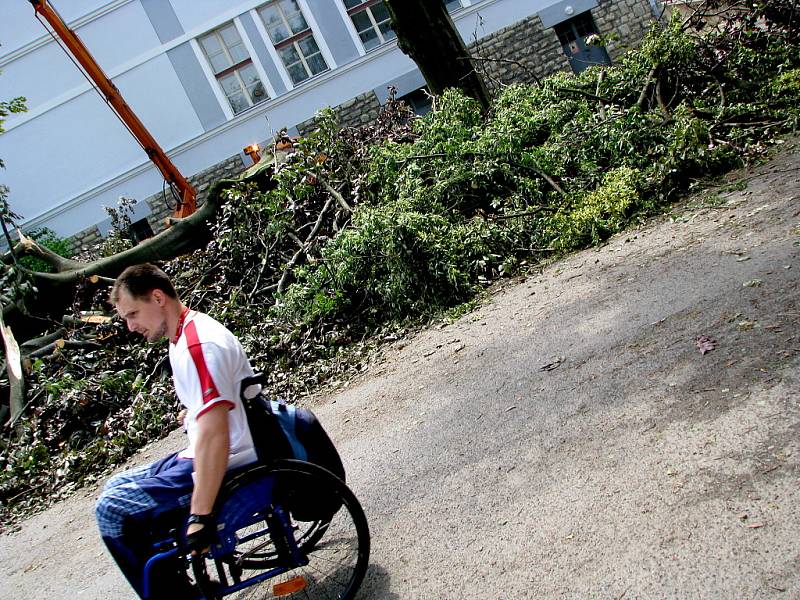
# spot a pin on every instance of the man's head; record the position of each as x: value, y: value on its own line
x: 146, y: 299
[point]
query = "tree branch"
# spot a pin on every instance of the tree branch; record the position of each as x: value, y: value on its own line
x: 525, y: 213
x: 339, y: 198
x: 183, y: 236
x: 601, y: 103
x: 61, y: 344
x: 43, y: 340
x: 660, y: 99
x: 16, y: 380
x: 643, y: 94
x: 302, y: 251
x: 29, y: 247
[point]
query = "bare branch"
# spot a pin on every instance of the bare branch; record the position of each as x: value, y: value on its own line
x: 642, y: 101
x: 600, y: 103
x: 509, y: 61
x: 660, y: 99
x: 183, y: 236
x: 43, y: 340
x: 16, y: 380
x: 61, y: 344
x: 302, y: 251
x: 28, y: 247
x: 339, y: 198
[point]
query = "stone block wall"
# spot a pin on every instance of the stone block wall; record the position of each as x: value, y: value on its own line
x: 361, y: 110
x: 161, y: 208
x: 521, y: 53
x: 629, y: 19
x: 527, y: 50
x: 82, y: 239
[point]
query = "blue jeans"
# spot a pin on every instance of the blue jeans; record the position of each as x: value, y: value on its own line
x: 138, y: 508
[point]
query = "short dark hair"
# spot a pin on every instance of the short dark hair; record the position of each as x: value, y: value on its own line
x: 140, y: 280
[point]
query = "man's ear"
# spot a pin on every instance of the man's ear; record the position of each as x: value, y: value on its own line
x: 159, y: 297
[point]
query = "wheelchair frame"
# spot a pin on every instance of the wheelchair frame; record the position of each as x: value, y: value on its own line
x: 258, y: 531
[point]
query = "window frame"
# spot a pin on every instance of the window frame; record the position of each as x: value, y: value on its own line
x: 234, y: 68
x: 366, y: 6
x: 294, y: 40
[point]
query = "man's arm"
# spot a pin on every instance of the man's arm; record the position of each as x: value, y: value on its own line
x: 210, y: 459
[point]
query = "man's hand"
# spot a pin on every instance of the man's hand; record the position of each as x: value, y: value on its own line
x: 200, y: 533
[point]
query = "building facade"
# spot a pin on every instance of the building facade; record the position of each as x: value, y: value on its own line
x: 209, y: 77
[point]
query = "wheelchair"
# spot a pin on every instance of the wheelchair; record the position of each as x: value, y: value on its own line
x: 285, y: 528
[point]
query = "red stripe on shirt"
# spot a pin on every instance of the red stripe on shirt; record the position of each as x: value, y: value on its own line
x: 208, y: 388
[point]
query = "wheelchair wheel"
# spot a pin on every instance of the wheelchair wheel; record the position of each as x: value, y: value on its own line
x: 328, y: 531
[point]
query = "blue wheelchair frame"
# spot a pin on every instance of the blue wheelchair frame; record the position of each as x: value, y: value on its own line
x: 241, y: 510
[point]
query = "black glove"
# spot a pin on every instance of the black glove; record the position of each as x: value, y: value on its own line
x: 199, y: 541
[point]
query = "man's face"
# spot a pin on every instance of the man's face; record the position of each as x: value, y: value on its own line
x: 146, y: 315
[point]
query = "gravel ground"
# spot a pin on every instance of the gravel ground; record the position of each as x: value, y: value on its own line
x: 568, y: 439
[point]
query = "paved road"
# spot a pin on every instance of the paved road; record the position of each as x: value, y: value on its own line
x: 568, y: 439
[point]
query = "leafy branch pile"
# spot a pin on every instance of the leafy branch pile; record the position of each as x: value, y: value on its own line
x: 364, y: 232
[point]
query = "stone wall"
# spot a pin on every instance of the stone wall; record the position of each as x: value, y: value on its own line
x: 527, y: 50
x: 361, y: 110
x: 630, y: 20
x: 162, y: 204
x: 83, y: 239
x: 521, y: 53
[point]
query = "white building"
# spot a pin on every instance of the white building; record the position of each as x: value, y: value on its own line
x: 209, y: 77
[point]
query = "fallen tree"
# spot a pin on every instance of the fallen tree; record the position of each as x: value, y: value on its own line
x: 183, y: 235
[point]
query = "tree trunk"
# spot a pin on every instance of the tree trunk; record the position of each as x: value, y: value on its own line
x: 183, y: 236
x: 426, y: 33
x: 16, y: 380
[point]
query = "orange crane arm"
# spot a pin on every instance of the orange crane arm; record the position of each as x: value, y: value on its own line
x: 187, y: 204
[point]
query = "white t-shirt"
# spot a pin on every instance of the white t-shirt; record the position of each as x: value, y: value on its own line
x: 208, y: 365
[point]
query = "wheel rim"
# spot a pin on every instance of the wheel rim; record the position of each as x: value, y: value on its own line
x: 335, y: 545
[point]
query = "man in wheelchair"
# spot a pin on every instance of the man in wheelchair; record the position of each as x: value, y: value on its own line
x: 208, y: 364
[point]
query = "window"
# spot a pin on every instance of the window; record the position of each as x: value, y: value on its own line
x: 580, y: 26
x: 371, y: 20
x: 572, y: 34
x: 293, y: 39
x: 419, y: 100
x: 233, y: 67
x: 139, y: 231
x: 452, y: 4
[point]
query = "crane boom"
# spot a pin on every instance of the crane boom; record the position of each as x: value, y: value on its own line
x: 187, y: 201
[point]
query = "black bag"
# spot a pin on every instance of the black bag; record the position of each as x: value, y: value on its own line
x: 284, y: 431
